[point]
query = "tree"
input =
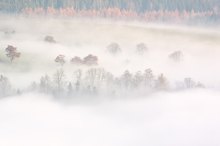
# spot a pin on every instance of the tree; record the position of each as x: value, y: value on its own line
x: 11, y: 53
x: 189, y: 83
x: 126, y: 79
x: 113, y: 48
x: 141, y: 48
x: 49, y: 39
x: 162, y: 82
x: 77, y: 79
x: 45, y: 84
x: 138, y: 79
x: 176, y: 56
x: 148, y: 78
x: 60, y: 59
x: 90, y: 60
x: 5, y: 86
x: 76, y: 60
x: 59, y: 80
x: 70, y: 88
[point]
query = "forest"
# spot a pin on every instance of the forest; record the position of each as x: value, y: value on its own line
x: 139, y: 6
x: 206, y: 11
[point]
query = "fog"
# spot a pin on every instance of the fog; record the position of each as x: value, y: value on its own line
x: 199, y: 46
x: 182, y: 118
x: 175, y: 115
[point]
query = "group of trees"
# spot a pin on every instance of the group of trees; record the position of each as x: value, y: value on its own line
x: 135, y: 5
x: 117, y: 13
x: 98, y: 81
x: 149, y: 10
x: 89, y: 60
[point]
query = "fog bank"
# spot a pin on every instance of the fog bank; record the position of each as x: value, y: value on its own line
x: 181, y: 118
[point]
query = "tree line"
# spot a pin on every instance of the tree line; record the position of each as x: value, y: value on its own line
x: 97, y: 82
x: 138, y: 6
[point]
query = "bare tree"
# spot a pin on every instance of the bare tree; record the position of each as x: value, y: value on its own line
x: 45, y: 84
x: 189, y: 83
x: 176, y: 56
x: 5, y: 87
x: 70, y: 88
x: 59, y: 80
x: 11, y: 53
x: 77, y: 77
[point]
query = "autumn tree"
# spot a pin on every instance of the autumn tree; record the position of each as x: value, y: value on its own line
x: 11, y: 53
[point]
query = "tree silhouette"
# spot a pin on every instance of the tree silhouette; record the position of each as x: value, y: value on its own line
x: 11, y: 53
x: 60, y: 59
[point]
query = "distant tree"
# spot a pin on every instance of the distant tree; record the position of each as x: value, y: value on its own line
x: 189, y: 83
x: 113, y: 48
x: 76, y: 60
x: 70, y: 88
x: 148, y: 77
x: 90, y: 60
x: 49, y: 39
x: 59, y: 80
x: 90, y: 77
x: 126, y: 79
x: 77, y: 79
x: 5, y: 87
x: 176, y: 56
x: 138, y: 79
x: 162, y: 82
x: 33, y: 86
x: 141, y: 48
x: 11, y: 53
x: 200, y: 85
x: 60, y: 59
x: 77, y: 75
x: 45, y: 84
x: 77, y: 86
